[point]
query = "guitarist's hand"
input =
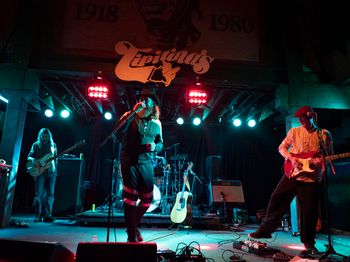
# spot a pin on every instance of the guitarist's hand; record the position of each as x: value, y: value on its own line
x: 317, y: 161
x: 295, y: 163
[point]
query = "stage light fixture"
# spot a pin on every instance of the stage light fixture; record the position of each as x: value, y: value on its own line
x: 108, y: 115
x: 251, y: 122
x: 65, y: 113
x: 197, y: 121
x: 237, y: 122
x: 48, y: 113
x: 197, y: 95
x: 98, y: 88
x: 180, y: 120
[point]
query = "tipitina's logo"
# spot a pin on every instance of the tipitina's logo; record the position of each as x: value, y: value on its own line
x: 145, y: 65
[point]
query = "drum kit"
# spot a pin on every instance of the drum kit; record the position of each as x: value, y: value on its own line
x: 167, y: 181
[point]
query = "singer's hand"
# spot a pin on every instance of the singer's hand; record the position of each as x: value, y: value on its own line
x: 139, y: 106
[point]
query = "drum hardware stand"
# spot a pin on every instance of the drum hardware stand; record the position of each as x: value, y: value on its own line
x: 165, y: 205
x: 117, y: 186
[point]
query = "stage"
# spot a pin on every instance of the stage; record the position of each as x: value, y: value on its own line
x: 209, y: 237
x: 100, y: 216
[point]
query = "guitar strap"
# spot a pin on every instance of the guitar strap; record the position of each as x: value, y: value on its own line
x: 321, y: 142
x: 324, y: 152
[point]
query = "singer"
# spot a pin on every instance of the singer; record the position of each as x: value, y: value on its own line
x: 299, y: 140
x: 141, y: 138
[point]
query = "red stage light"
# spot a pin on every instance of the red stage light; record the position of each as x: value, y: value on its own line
x: 197, y: 97
x: 98, y: 91
x: 98, y: 87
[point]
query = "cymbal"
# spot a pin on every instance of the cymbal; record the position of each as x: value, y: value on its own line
x: 178, y: 157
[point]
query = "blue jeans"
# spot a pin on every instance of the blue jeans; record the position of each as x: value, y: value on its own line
x: 44, y: 193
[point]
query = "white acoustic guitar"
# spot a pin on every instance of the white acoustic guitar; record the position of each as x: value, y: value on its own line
x: 37, y: 167
x: 182, y: 209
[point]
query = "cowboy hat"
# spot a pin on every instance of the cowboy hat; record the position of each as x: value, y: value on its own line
x: 149, y: 93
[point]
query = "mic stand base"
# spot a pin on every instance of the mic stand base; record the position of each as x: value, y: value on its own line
x: 330, y: 252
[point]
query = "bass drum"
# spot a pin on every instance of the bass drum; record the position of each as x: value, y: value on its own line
x: 156, y: 199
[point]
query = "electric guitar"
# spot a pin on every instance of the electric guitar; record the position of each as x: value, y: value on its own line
x: 182, y: 209
x: 38, y: 166
x: 307, y: 166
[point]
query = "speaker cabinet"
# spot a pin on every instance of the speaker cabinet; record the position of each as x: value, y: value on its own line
x: 70, y: 176
x: 100, y: 251
x: 16, y: 250
x: 213, y: 167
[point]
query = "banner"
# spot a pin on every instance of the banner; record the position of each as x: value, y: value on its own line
x: 227, y: 29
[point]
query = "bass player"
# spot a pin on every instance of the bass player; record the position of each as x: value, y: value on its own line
x: 44, y: 183
x: 299, y: 140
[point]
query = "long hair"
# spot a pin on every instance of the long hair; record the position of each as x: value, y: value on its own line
x: 40, y: 135
x: 156, y: 112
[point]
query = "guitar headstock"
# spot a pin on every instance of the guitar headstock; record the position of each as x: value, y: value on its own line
x: 189, y: 167
x: 80, y: 143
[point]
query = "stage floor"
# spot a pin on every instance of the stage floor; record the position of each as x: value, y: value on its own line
x: 216, y: 244
x: 100, y: 216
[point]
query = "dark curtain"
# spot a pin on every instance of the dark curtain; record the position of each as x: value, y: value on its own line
x: 248, y: 155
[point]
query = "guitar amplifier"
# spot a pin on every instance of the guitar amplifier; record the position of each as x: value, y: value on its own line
x: 70, y: 176
x: 229, y: 190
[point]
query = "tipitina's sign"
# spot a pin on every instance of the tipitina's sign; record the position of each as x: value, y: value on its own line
x: 147, y: 65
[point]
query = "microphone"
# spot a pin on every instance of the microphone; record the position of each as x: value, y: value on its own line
x: 138, y: 107
x: 141, y: 105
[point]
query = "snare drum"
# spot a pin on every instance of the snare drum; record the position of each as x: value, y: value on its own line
x: 156, y: 199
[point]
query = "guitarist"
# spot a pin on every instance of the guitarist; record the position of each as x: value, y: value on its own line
x: 44, y: 183
x: 299, y: 140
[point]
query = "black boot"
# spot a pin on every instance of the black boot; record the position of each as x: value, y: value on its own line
x: 138, y: 235
x: 38, y: 218
x: 131, y: 235
x: 140, y: 212
x: 130, y: 221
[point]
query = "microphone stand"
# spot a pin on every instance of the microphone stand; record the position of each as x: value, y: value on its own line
x: 330, y: 249
x: 193, y: 185
x: 119, y: 124
x: 224, y: 205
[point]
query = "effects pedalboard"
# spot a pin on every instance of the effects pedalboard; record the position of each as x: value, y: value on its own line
x: 255, y: 247
x: 250, y: 245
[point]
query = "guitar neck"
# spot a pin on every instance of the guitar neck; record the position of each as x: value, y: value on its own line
x: 183, y: 185
x: 61, y: 153
x: 338, y: 156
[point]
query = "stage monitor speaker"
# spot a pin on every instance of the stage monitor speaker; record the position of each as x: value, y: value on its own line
x: 229, y: 190
x: 18, y: 250
x: 107, y: 251
x: 70, y: 176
